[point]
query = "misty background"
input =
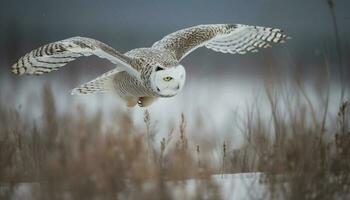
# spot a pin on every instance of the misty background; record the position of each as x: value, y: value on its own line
x: 217, y: 86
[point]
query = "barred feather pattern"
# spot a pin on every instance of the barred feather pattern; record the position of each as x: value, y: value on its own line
x: 225, y: 38
x: 244, y: 39
x: 44, y: 59
x: 103, y: 83
x: 184, y: 41
x: 51, y: 57
x: 127, y: 86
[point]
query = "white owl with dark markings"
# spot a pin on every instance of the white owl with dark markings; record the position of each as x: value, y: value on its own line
x: 144, y: 74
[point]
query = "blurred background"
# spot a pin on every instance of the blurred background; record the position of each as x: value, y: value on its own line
x: 281, y: 111
x: 217, y: 86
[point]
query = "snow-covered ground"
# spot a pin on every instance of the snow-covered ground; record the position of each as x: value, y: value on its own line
x: 230, y: 186
x: 220, y: 104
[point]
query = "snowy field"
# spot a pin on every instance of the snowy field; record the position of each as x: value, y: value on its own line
x: 231, y: 186
x: 219, y: 103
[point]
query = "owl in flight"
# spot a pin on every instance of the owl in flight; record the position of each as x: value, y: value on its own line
x: 144, y: 74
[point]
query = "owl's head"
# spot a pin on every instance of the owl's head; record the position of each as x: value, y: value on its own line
x: 167, y: 81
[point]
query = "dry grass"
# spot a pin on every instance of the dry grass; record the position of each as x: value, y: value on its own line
x: 73, y: 157
x: 302, y: 149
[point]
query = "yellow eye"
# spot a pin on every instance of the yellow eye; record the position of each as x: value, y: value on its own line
x: 168, y: 78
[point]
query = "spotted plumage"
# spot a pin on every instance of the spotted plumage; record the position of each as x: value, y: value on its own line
x: 144, y: 74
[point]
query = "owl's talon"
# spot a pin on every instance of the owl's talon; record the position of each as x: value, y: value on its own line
x: 131, y: 102
x: 146, y: 101
x: 139, y: 102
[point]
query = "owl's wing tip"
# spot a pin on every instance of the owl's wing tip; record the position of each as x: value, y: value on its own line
x: 18, y: 70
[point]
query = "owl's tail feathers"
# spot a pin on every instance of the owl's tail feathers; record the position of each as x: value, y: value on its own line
x: 103, y: 83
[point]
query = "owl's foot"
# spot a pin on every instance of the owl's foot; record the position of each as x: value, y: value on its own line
x: 146, y: 101
x: 131, y: 102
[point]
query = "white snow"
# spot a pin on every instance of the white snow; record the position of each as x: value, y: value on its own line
x: 230, y: 186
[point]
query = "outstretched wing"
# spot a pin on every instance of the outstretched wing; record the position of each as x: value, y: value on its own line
x: 52, y: 56
x: 102, y: 83
x: 225, y: 38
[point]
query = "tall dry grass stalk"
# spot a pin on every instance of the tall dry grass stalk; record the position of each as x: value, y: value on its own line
x: 223, y: 166
x: 149, y: 137
x: 70, y: 156
x: 331, y: 6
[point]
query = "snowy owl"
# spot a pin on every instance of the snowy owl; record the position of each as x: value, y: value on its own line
x: 144, y: 74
